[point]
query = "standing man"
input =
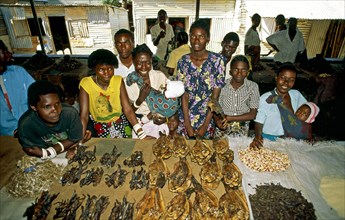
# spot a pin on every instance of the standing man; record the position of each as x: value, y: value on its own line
x: 162, y: 33
x: 182, y: 49
x: 124, y: 43
x: 288, y: 43
x: 229, y: 46
x: 252, y: 41
x: 14, y: 83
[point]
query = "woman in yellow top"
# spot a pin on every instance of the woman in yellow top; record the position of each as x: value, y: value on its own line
x: 104, y: 98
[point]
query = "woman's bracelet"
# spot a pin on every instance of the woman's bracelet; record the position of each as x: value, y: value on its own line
x: 62, y: 147
x: 44, y: 154
x: 52, y: 152
x: 135, y: 104
x: 141, y: 134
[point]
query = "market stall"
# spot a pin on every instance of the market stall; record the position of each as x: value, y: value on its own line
x: 308, y: 165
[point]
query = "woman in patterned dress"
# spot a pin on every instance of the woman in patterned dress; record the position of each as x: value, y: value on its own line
x: 202, y: 73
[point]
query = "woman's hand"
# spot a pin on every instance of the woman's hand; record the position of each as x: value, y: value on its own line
x: 256, y: 143
x: 144, y: 92
x: 87, y: 136
x: 221, y: 124
x: 159, y: 120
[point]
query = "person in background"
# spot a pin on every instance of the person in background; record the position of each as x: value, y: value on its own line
x: 288, y: 43
x: 239, y: 99
x: 202, y: 73
x: 182, y: 49
x: 280, y: 23
x: 268, y: 122
x: 49, y: 127
x: 252, y: 41
x: 280, y: 26
x: 138, y: 92
x: 229, y: 46
x: 104, y: 97
x: 14, y: 84
x: 124, y: 43
x: 162, y: 33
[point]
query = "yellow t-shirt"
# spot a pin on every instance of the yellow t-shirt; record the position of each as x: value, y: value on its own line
x: 104, y: 105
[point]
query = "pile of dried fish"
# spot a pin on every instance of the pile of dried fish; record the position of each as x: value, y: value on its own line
x: 264, y: 159
x: 233, y: 205
x: 109, y: 160
x: 93, y: 176
x: 273, y: 201
x: 222, y: 148
x: 139, y: 179
x: 122, y: 211
x: 158, y: 173
x: 83, y: 156
x: 232, y: 176
x: 180, y: 207
x: 100, y: 206
x: 73, y: 174
x: 211, y: 174
x: 201, y: 152
x: 136, y: 159
x: 38, y: 61
x: 162, y: 147
x: 32, y: 177
x: 117, y: 178
x: 180, y: 146
x: 180, y: 179
x: 67, y: 209
x: 152, y: 205
x: 40, y: 209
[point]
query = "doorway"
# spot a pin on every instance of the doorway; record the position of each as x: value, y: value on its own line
x: 59, y: 33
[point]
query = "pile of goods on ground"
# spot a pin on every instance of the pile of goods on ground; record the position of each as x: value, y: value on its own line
x: 273, y: 201
x: 192, y: 193
x: 264, y: 159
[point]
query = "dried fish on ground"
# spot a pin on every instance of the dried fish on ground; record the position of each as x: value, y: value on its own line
x: 67, y: 209
x: 83, y: 156
x: 100, y: 206
x: 179, y: 208
x: 93, y: 176
x: 180, y: 146
x: 86, y: 212
x: 264, y: 159
x: 109, y: 160
x: 201, y: 152
x: 139, y: 179
x: 273, y: 201
x: 233, y: 206
x: 163, y: 147
x: 232, y: 176
x: 32, y: 178
x: 122, y: 211
x: 117, y: 178
x: 151, y: 206
x: 72, y: 175
x: 222, y: 148
x: 158, y: 173
x: 40, y: 209
x: 180, y: 179
x: 136, y: 159
x: 205, y: 203
x: 211, y: 174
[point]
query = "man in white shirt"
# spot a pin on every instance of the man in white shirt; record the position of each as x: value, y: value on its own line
x: 124, y: 43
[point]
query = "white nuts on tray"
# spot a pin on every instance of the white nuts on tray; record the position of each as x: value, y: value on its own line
x: 264, y: 160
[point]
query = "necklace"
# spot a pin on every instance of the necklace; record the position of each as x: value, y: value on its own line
x: 102, y: 87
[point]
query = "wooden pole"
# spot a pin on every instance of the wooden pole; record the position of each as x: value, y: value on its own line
x: 197, y: 10
x: 38, y: 27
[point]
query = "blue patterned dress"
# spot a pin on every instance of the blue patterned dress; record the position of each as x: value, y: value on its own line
x: 199, y: 83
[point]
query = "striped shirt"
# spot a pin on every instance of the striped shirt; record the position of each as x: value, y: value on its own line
x: 240, y: 101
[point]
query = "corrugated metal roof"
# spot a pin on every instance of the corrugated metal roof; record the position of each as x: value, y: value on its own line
x: 318, y: 9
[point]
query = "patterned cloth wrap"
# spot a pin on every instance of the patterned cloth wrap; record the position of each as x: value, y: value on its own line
x: 293, y: 127
x: 156, y: 100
